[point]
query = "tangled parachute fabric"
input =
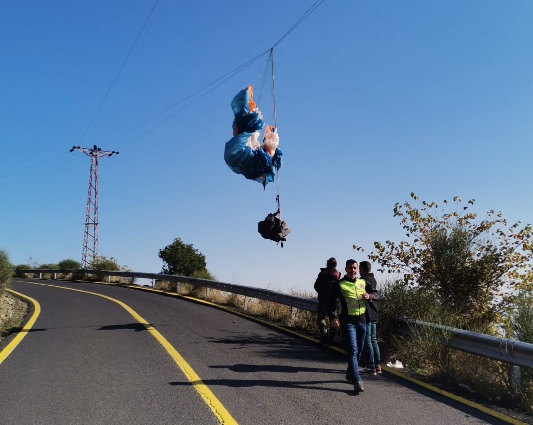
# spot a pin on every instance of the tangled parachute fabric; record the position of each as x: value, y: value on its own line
x: 243, y: 153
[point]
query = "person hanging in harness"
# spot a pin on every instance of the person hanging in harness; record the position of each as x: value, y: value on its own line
x: 274, y: 228
x: 326, y: 285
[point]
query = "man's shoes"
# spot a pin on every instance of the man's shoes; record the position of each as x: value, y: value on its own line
x: 378, y: 370
x: 370, y: 371
x: 358, y: 387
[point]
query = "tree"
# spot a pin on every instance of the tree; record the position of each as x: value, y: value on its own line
x: 473, y: 267
x: 182, y: 259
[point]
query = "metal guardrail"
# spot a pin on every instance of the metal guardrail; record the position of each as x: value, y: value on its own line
x: 300, y: 303
x: 506, y: 350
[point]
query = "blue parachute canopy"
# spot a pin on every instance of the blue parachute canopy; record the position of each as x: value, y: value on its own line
x: 254, y: 163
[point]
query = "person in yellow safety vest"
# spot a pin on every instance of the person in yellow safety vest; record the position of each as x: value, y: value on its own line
x: 352, y: 294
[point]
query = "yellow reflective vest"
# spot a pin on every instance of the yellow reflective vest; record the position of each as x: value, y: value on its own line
x: 353, y: 295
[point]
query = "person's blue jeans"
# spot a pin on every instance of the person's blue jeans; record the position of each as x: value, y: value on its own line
x: 371, y: 345
x: 354, y: 337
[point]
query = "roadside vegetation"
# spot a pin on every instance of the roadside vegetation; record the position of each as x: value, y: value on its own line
x: 6, y: 271
x: 463, y: 272
x: 183, y: 259
x: 12, y: 310
x: 279, y: 314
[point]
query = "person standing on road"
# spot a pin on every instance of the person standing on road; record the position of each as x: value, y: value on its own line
x: 373, y: 366
x: 326, y: 287
x: 353, y: 296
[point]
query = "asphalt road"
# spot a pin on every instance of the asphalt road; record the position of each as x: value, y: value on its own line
x: 87, y: 360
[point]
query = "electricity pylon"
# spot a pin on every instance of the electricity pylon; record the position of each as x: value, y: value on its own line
x: 90, y: 236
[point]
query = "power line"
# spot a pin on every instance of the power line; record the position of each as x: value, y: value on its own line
x: 119, y: 71
x: 35, y: 177
x: 214, y: 84
x: 219, y: 81
x: 32, y: 167
x: 205, y: 90
x: 299, y: 21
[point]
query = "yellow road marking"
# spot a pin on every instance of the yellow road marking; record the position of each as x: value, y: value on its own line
x: 24, y: 331
x: 457, y: 398
x: 392, y: 371
x: 209, y: 398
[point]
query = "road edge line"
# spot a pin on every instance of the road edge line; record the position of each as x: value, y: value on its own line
x: 8, y: 349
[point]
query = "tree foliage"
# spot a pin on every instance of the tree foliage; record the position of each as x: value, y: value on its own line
x: 204, y: 274
x: 19, y: 267
x: 473, y: 266
x: 6, y: 270
x: 48, y: 266
x: 103, y: 263
x: 522, y: 318
x: 69, y: 264
x: 182, y: 259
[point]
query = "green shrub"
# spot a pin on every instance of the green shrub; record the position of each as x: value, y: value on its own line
x: 6, y: 271
x: 69, y: 264
x: 48, y: 266
x: 424, y: 346
x: 522, y: 323
x: 522, y: 330
x: 203, y: 274
x: 108, y: 264
x: 18, y: 269
x: 424, y: 354
x: 104, y: 263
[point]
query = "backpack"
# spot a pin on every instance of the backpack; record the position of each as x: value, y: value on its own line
x: 273, y: 228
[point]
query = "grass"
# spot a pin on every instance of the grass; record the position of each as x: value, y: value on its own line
x: 278, y: 313
x: 486, y: 381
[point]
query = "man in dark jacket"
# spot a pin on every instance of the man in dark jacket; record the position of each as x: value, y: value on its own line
x: 372, y: 316
x: 326, y: 286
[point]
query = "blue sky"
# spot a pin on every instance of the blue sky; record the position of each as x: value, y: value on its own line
x: 374, y: 100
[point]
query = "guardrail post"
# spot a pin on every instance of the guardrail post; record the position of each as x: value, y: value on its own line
x: 245, y: 303
x: 515, y: 375
x: 178, y: 287
x: 40, y: 275
x: 55, y: 276
x: 206, y: 293
x: 293, y: 316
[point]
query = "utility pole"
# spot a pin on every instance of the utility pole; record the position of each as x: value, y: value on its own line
x: 90, y: 236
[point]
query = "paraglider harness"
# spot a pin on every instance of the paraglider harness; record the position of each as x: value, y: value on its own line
x: 273, y: 228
